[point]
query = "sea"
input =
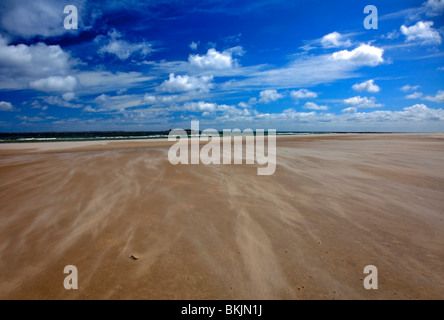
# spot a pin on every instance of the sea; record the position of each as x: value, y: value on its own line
x: 26, y: 137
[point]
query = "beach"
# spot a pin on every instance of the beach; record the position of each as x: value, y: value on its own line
x: 138, y: 227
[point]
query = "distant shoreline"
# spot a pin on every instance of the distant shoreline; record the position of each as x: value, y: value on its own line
x: 52, y: 147
x: 34, y: 137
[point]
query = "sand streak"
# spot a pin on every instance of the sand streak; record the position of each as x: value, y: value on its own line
x: 334, y: 205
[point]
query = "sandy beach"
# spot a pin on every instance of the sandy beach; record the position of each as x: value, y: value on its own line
x: 335, y: 204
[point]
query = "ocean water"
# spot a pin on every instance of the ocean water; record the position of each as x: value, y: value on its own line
x: 108, y: 135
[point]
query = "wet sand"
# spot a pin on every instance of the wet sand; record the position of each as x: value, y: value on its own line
x: 335, y: 204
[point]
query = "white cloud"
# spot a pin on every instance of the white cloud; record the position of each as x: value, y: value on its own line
x: 434, y: 7
x: 36, y: 105
x: 35, y: 18
x: 301, y: 71
x: 412, y: 116
x: 194, y: 45
x: 201, y: 106
x: 414, y: 95
x: 69, y: 96
x: 6, y: 106
x: 30, y: 119
x: 118, y: 103
x: 350, y: 110
x: 224, y: 112
x: 368, y: 86
x: 186, y: 83
x: 268, y: 96
x: 123, y: 49
x: 216, y: 60
x: 422, y: 33
x: 333, y: 40
x: 305, y: 70
x: 252, y: 101
x: 408, y: 88
x: 439, y: 97
x: 415, y: 118
x: 57, y: 84
x: 303, y: 94
x: 150, y: 99
x: 364, y: 55
x: 59, y: 102
x: 430, y: 8
x: 391, y: 35
x: 244, y: 105
x: 21, y: 64
x: 420, y: 112
x: 89, y: 109
x: 96, y: 82
x: 359, y: 102
x: 102, y: 98
x: 313, y: 106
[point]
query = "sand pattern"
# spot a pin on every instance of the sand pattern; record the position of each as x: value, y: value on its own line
x: 137, y: 227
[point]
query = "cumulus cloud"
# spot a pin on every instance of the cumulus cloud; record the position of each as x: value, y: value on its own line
x: 166, y: 101
x: 186, y: 83
x: 350, y: 110
x: 35, y: 18
x: 20, y: 64
x: 333, y: 40
x: 68, y: 96
x: 222, y: 112
x: 149, y: 99
x: 303, y: 94
x: 201, y: 106
x: 408, y: 88
x: 422, y: 33
x: 123, y: 49
x: 414, y: 95
x: 420, y: 112
x: 6, y: 106
x: 359, y: 102
x: 439, y: 97
x: 268, y: 96
x: 415, y: 114
x: 152, y: 99
x: 314, y: 106
x: 216, y: 60
x: 434, y: 7
x: 52, y: 84
x: 368, y: 86
x: 364, y: 55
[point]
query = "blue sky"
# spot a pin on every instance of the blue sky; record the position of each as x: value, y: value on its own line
x: 285, y: 65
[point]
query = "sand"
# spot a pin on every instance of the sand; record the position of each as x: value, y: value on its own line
x: 335, y: 204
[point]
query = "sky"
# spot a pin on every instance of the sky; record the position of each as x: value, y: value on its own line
x: 286, y: 65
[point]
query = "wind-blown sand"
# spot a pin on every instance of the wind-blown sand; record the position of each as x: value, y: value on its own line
x: 335, y: 204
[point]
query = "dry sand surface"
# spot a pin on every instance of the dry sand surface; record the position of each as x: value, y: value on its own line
x: 335, y: 204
